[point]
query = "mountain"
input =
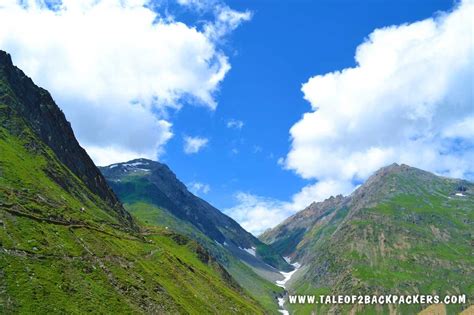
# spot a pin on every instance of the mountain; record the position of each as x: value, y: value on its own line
x: 67, y: 245
x: 405, y: 231
x: 36, y: 106
x: 145, y: 180
x: 154, y: 195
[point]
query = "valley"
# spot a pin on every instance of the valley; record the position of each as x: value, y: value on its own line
x: 67, y: 245
x: 131, y: 238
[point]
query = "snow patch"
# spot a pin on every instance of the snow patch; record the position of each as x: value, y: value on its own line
x: 141, y: 169
x: 287, y: 275
x: 250, y: 250
x: 135, y: 164
x: 281, y: 283
x: 281, y: 303
x: 460, y: 194
x: 113, y: 165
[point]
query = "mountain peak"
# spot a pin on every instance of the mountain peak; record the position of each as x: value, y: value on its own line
x: 142, y: 180
x: 401, y: 221
x: 5, y: 59
x: 39, y: 111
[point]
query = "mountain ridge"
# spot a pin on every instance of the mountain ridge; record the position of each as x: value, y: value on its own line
x: 156, y: 197
x: 66, y: 249
x: 45, y: 118
x: 169, y: 192
x: 403, y: 231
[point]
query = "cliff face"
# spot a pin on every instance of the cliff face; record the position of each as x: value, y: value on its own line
x: 36, y: 106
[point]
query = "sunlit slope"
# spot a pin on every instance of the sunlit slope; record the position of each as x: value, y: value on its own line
x: 143, y: 180
x: 158, y: 202
x: 64, y: 248
x: 405, y: 231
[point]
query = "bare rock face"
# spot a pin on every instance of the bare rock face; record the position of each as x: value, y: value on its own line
x: 288, y: 234
x: 36, y: 106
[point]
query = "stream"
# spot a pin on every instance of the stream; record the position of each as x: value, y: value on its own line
x: 282, y: 283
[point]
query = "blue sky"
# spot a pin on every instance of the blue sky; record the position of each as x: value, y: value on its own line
x: 260, y: 107
x: 272, y: 55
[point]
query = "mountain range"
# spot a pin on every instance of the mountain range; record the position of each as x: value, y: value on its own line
x: 67, y: 245
x: 131, y: 238
x: 151, y: 192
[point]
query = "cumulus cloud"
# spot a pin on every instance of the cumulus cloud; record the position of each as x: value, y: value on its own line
x: 256, y: 213
x: 198, y: 188
x: 408, y: 99
x: 115, y: 67
x: 235, y: 123
x: 194, y: 144
x: 226, y: 19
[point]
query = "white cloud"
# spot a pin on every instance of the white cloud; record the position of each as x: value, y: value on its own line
x: 194, y: 144
x: 115, y: 67
x: 408, y: 100
x: 226, y: 19
x: 235, y: 123
x: 197, y: 188
x: 256, y: 213
x: 319, y: 192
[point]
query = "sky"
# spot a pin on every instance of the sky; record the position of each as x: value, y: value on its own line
x: 260, y: 107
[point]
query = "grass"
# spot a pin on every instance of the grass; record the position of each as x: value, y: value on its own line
x: 261, y: 290
x: 63, y: 250
x: 427, y: 249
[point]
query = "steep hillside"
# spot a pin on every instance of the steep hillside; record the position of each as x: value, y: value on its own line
x: 36, y: 106
x: 153, y: 194
x: 404, y: 231
x: 67, y: 245
x: 144, y: 180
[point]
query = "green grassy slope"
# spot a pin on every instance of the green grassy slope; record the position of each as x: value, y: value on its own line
x: 406, y: 232
x: 145, y: 180
x: 145, y: 201
x: 262, y: 290
x: 63, y: 249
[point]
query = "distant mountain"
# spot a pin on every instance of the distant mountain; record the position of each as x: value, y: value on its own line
x: 67, y: 246
x: 146, y: 180
x: 153, y: 194
x: 405, y: 231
